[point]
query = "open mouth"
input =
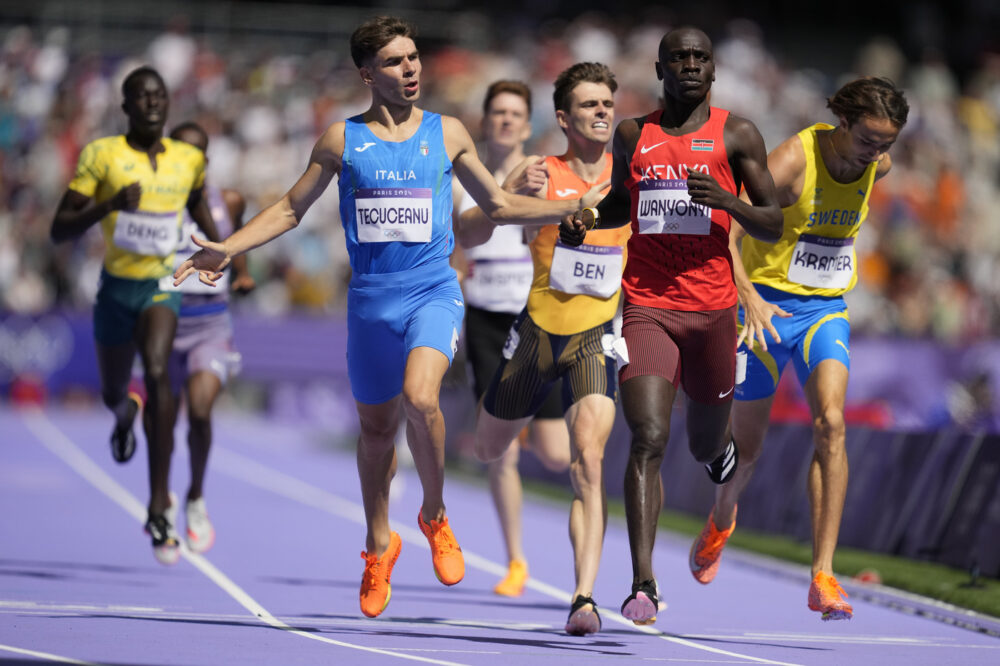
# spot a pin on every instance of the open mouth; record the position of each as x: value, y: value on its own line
x: 600, y: 124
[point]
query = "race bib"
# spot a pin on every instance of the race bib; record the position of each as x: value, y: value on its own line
x: 823, y: 262
x: 153, y: 234
x: 595, y: 270
x: 389, y: 214
x: 499, y: 285
x: 665, y: 208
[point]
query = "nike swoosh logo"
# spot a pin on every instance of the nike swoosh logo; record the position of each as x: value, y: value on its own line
x: 563, y: 193
x: 457, y: 302
x: 366, y: 146
x: 723, y: 395
x: 646, y: 149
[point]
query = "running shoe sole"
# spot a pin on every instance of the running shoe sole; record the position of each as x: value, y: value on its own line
x: 641, y: 610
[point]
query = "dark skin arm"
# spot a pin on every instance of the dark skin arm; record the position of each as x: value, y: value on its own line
x: 761, y: 217
x: 615, y: 208
x: 242, y: 282
x: 198, y: 209
x: 78, y: 212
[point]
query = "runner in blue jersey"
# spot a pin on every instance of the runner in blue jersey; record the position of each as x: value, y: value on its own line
x: 395, y: 163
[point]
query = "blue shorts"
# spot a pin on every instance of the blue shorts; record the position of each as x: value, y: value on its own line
x: 390, y: 314
x: 819, y: 329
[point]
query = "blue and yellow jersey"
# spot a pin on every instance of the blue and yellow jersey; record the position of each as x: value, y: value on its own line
x: 140, y: 244
x: 815, y: 255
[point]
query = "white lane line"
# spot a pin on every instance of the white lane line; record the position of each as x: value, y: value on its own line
x: 262, y: 476
x: 45, y: 655
x: 53, y: 439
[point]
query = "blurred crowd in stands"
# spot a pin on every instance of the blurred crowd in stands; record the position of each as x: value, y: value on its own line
x: 927, y: 253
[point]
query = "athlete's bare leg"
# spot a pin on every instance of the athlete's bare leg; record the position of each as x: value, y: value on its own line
x: 589, y: 421
x: 425, y: 368
x: 376, y: 467
x: 647, y: 401
x: 505, y: 487
x: 155, y: 333
x: 494, y: 436
x: 750, y: 423
x: 203, y: 387
x: 114, y: 362
x: 826, y: 391
x: 549, y: 440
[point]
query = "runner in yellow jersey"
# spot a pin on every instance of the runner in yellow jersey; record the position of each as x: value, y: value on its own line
x: 824, y: 176
x: 566, y: 331
x: 137, y: 185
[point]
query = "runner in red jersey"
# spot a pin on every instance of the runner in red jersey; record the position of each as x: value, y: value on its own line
x: 677, y: 173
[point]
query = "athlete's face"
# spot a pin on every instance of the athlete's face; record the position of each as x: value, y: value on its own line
x: 686, y: 65
x: 394, y: 72
x: 146, y: 104
x: 591, y: 113
x: 869, y: 138
x: 506, y: 123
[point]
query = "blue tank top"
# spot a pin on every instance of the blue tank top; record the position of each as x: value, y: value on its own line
x: 395, y: 198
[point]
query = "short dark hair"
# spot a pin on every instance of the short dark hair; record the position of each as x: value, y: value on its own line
x: 507, y: 86
x: 872, y: 96
x: 375, y: 33
x: 189, y: 126
x: 590, y: 72
x: 138, y: 73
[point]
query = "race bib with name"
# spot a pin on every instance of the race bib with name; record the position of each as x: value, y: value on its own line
x: 595, y: 270
x: 389, y: 214
x: 818, y: 261
x: 499, y: 285
x: 665, y: 208
x: 152, y: 234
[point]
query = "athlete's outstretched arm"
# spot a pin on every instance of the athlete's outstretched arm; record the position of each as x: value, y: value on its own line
x: 501, y: 207
x: 276, y: 219
x: 530, y: 177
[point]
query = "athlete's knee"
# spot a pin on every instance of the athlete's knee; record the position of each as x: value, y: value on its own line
x: 649, y: 439
x: 829, y: 428
x: 588, y: 464
x: 420, y: 399
x: 155, y: 369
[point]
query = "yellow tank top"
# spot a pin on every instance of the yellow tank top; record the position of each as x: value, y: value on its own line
x: 815, y: 255
x: 140, y: 244
x: 560, y: 312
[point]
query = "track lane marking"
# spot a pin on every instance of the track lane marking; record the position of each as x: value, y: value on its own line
x: 71, y: 454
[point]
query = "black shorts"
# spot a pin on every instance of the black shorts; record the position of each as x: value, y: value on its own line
x: 485, y: 334
x: 533, y: 360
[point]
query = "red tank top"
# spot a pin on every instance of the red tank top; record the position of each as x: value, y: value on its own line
x: 679, y: 252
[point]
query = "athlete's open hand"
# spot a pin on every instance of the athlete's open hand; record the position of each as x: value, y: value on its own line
x: 528, y: 178
x: 572, y: 230
x: 208, y: 262
x: 594, y: 195
x: 757, y: 314
x: 705, y: 190
x: 127, y: 198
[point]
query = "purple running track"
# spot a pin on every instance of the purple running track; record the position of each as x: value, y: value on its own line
x: 78, y: 583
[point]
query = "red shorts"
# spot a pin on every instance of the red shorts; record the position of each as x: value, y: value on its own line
x: 695, y: 350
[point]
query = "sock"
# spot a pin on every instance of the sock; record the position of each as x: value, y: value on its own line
x: 722, y: 468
